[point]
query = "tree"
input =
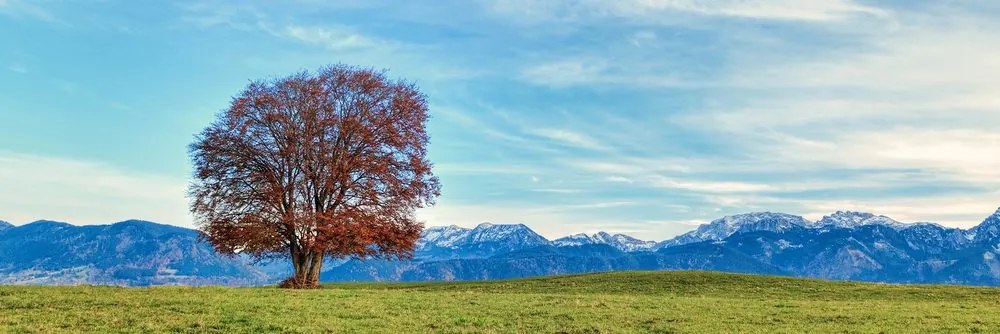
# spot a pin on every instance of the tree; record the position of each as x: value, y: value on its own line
x: 315, y: 165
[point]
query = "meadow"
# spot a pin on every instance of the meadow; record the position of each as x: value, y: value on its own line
x: 618, y: 302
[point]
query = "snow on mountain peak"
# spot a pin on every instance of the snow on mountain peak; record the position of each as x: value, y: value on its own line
x: 496, y: 232
x: 989, y: 229
x: 724, y: 227
x: 453, y: 236
x: 442, y: 236
x: 622, y: 242
x: 852, y: 219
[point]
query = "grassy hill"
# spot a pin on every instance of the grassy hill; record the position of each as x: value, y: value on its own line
x: 593, y: 303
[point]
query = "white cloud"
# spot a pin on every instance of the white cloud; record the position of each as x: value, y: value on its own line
x: 84, y: 192
x: 633, y: 165
x: 565, y: 73
x: 234, y: 16
x: 574, y: 72
x: 570, y: 138
x: 584, y: 206
x: 710, y: 186
x: 665, y: 11
x: 620, y: 179
x: 556, y: 190
x: 334, y: 38
x: 805, y: 10
x: 923, y: 97
x: 968, y: 154
x: 251, y: 18
x: 17, y: 68
x: 959, y: 51
x: 641, y: 38
x: 29, y: 10
x: 483, y: 168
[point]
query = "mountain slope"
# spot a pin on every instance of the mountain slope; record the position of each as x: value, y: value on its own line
x: 126, y: 253
x: 724, y: 227
x: 483, y: 241
x: 988, y: 231
x: 851, y: 219
x: 843, y: 245
x: 622, y: 242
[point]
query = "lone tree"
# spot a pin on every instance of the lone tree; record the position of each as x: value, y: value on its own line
x: 331, y: 163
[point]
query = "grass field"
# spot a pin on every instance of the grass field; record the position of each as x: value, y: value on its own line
x: 665, y: 302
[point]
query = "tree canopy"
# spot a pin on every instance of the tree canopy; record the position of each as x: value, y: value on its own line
x: 313, y: 165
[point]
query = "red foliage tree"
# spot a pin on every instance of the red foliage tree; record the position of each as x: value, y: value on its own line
x: 331, y: 163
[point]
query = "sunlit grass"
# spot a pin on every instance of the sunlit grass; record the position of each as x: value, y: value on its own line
x: 595, y: 303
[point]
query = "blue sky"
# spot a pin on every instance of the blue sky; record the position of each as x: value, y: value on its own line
x: 640, y: 116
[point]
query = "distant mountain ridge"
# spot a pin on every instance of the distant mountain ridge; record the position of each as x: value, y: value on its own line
x: 850, y: 219
x: 724, y: 227
x: 485, y: 240
x: 621, y: 242
x: 842, y: 245
x: 132, y: 252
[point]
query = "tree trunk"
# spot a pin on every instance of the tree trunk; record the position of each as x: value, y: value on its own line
x: 303, y: 277
x: 314, y: 269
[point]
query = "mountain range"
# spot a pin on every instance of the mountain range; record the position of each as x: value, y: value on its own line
x: 842, y: 245
x: 127, y: 253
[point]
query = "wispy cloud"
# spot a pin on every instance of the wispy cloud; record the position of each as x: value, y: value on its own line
x: 575, y: 72
x: 32, y: 10
x: 84, y: 192
x: 17, y: 68
x: 233, y: 16
x: 665, y: 11
x: 556, y: 190
x: 827, y: 10
x: 584, y: 206
x: 710, y: 186
x: 570, y: 138
x: 334, y: 38
x: 621, y: 179
x: 251, y: 18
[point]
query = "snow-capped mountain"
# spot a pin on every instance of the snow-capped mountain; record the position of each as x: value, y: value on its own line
x: 622, y: 242
x: 987, y: 231
x: 726, y: 226
x: 778, y: 222
x: 484, y: 240
x: 441, y: 236
x: 506, y: 233
x: 842, y: 245
x: 851, y: 219
x: 5, y: 225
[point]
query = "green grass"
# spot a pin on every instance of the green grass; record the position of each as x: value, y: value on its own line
x: 663, y: 302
